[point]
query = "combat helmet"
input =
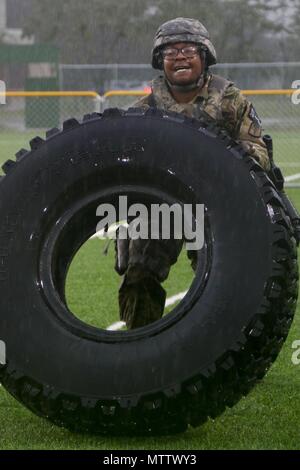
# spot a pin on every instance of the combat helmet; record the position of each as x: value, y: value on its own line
x: 182, y: 30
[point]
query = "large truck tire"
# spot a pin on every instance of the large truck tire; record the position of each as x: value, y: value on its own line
x: 194, y: 362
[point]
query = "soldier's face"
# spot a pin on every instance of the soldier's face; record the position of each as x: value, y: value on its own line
x: 182, y: 70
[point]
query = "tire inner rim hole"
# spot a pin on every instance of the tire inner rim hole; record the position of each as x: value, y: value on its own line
x: 84, y: 276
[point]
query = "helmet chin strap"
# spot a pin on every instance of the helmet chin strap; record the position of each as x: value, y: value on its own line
x: 188, y: 87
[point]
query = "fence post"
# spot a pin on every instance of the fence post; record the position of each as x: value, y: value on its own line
x: 2, y: 92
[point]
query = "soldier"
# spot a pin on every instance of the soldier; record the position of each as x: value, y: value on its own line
x: 183, y: 50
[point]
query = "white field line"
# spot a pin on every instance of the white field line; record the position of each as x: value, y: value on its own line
x: 288, y: 164
x: 171, y: 300
x: 294, y: 177
x: 116, y: 326
x: 111, y: 230
x: 174, y: 298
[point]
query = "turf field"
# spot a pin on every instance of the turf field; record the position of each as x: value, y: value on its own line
x: 268, y: 418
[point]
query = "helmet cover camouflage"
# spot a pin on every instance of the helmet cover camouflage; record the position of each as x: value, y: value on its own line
x: 182, y: 30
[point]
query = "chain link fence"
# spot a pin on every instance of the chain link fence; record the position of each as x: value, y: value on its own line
x: 21, y: 113
x: 104, y: 77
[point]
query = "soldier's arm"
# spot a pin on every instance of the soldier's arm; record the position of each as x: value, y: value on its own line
x: 244, y: 125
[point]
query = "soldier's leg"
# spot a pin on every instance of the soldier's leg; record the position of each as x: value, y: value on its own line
x: 141, y: 296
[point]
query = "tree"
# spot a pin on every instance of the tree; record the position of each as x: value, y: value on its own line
x: 108, y: 31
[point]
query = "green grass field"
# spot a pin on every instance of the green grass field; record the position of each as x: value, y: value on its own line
x: 268, y: 418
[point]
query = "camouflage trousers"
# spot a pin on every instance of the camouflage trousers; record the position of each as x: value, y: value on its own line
x: 145, y: 265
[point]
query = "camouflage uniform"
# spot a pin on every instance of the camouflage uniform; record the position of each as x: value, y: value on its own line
x: 141, y: 297
x: 225, y: 104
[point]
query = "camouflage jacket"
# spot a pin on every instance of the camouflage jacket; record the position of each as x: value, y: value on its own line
x: 224, y: 103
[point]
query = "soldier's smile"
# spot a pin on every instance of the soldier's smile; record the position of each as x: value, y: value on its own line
x: 182, y: 68
x: 182, y: 73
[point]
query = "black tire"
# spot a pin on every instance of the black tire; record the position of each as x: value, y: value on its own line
x: 196, y: 361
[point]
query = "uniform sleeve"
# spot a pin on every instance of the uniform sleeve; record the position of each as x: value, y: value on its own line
x: 243, y: 124
x: 141, y: 103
